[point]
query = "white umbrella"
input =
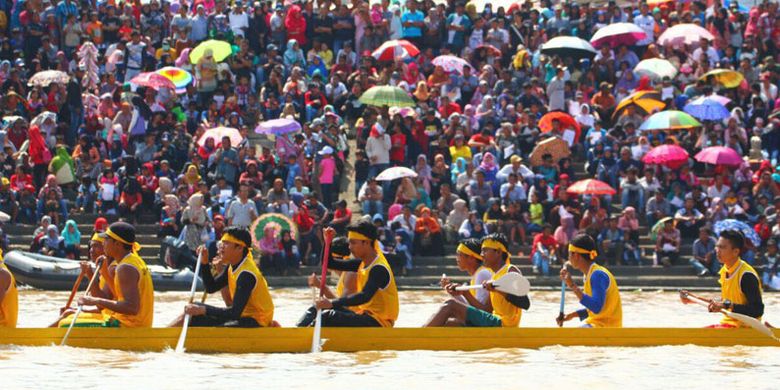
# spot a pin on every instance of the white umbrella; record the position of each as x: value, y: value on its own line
x: 46, y: 77
x: 655, y: 68
x: 393, y: 173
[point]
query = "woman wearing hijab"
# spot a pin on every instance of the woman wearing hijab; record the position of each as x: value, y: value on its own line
x: 293, y: 56
x: 206, y: 76
x: 489, y: 167
x: 62, y: 166
x: 71, y: 237
x: 428, y: 238
x: 295, y: 24
x: 424, y: 172
x: 52, y: 244
x: 169, y: 215
x: 407, y: 192
x: 195, y: 220
x: 191, y: 178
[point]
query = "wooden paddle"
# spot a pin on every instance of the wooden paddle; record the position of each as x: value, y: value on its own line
x: 81, y: 308
x: 511, y: 283
x: 186, y: 323
x: 747, y: 320
x: 561, y: 315
x: 316, y: 343
x: 76, y: 288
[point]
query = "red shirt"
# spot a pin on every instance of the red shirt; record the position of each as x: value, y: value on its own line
x: 449, y: 109
x: 398, y: 151
x: 547, y: 241
x: 338, y: 214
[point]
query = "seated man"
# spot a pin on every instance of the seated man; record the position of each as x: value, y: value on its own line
x: 502, y: 309
x: 601, y: 296
x: 347, y: 284
x: 469, y: 258
x: 132, y: 305
x: 250, y: 302
x: 376, y: 301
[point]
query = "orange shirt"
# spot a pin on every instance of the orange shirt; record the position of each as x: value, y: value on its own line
x: 427, y: 223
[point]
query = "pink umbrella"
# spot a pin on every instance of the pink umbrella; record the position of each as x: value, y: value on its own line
x: 153, y: 80
x: 684, y: 34
x: 218, y: 132
x: 617, y: 34
x: 719, y: 155
x: 671, y: 156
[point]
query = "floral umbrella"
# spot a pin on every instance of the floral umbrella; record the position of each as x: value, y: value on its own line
x: 451, y: 63
x: 46, y: 77
x: 707, y: 109
x: 553, y: 146
x: 733, y: 224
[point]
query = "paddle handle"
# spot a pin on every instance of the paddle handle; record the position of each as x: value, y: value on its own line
x: 185, y: 324
x: 81, y: 308
x: 316, y: 345
x: 75, y: 288
x: 324, y: 273
x: 470, y: 287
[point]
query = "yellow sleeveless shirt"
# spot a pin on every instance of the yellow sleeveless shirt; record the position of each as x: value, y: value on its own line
x: 9, y: 307
x: 731, y: 290
x: 611, y: 315
x: 502, y: 308
x: 473, y: 280
x: 145, y: 315
x: 260, y: 305
x: 102, y: 283
x: 383, y: 306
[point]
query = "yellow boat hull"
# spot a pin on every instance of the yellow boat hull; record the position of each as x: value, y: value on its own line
x: 267, y: 340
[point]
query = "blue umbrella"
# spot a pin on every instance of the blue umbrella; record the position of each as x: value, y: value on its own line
x: 278, y: 126
x: 707, y: 109
x: 733, y: 224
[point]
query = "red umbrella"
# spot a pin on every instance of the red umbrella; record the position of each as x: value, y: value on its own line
x: 671, y: 156
x: 566, y: 120
x: 153, y: 80
x: 490, y: 49
x: 591, y: 187
x: 394, y: 49
x: 719, y: 155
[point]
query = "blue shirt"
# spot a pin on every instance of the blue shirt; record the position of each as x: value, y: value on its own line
x: 409, y: 16
x: 599, y: 282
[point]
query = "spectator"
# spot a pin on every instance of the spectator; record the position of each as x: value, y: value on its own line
x: 667, y: 245
x: 428, y: 238
x: 704, y: 261
x: 543, y: 250
x: 242, y: 212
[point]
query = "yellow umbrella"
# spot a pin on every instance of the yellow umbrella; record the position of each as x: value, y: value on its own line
x: 646, y: 101
x: 553, y: 146
x: 219, y: 49
x: 725, y: 77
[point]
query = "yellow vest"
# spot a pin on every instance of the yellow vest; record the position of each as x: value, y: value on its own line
x: 260, y: 306
x: 102, y: 283
x: 503, y: 309
x: 383, y: 306
x: 473, y: 281
x: 731, y: 290
x: 145, y: 315
x: 611, y: 315
x: 9, y: 307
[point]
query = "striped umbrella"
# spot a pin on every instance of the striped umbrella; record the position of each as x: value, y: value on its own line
x: 656, y: 69
x: 395, y: 49
x: 669, y: 120
x: 707, y: 109
x: 179, y: 77
x: 591, y: 187
x: 644, y: 101
x: 617, y: 34
x: 386, y: 95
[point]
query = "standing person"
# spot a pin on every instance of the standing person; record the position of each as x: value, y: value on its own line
x: 375, y: 304
x: 502, y: 309
x: 601, y: 297
x: 739, y: 282
x: 250, y: 304
x: 328, y: 171
x: 241, y: 212
x: 556, y: 90
x: 9, y: 297
x: 413, y: 23
x: 133, y: 305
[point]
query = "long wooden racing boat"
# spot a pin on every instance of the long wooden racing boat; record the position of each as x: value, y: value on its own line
x: 266, y: 340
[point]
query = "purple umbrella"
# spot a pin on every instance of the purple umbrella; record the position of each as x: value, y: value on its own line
x: 278, y: 127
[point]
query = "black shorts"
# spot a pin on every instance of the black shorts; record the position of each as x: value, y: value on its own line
x: 208, y: 321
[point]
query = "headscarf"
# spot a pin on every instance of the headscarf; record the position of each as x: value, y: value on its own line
x: 171, y: 203
x: 644, y: 84
x: 293, y: 56
x: 412, y: 74
x: 101, y: 224
x: 195, y: 201
x: 71, y: 238
x: 488, y: 162
x: 295, y: 24
x: 184, y: 58
x: 39, y: 153
x: 459, y: 213
x: 62, y: 166
x: 52, y: 242
x: 192, y: 176
x: 421, y: 92
x: 164, y: 186
x: 422, y: 167
x: 456, y: 168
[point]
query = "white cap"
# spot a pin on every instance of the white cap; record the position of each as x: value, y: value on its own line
x: 326, y: 150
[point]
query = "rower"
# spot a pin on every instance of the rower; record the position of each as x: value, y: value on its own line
x: 739, y: 282
x: 601, y: 297
x: 346, y: 285
x: 9, y: 297
x: 500, y: 309
x: 250, y: 305
x: 376, y: 301
x: 132, y: 304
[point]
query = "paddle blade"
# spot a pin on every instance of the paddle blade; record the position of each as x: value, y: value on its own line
x: 513, y: 283
x: 752, y: 322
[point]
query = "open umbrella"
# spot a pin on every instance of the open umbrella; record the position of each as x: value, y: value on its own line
x: 566, y: 121
x: 568, y: 47
x: 395, y: 49
x: 645, y: 102
x: 617, y: 34
x: 393, y: 173
x: 553, y: 146
x: 719, y: 155
x: 402, y: 111
x: 46, y: 77
x: 278, y: 126
x: 656, y: 69
x: 707, y: 109
x: 218, y: 132
x: 684, y: 34
x: 451, y: 63
x: 279, y: 222
x: 657, y: 227
x: 733, y: 224
x: 152, y: 80
x: 669, y: 120
x: 492, y: 50
x: 671, y: 156
x: 591, y: 187
x: 725, y: 77
x: 179, y: 77
x: 386, y: 95
x: 220, y: 50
